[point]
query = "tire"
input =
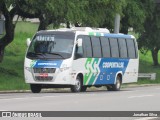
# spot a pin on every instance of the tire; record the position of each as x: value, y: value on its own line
x: 109, y: 88
x: 78, y: 86
x: 35, y: 88
x: 115, y: 87
x: 83, y: 89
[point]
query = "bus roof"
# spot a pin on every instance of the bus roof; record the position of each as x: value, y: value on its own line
x: 80, y: 29
x: 86, y: 31
x: 119, y: 36
x: 45, y: 32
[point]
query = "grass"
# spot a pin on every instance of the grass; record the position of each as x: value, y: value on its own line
x: 11, y: 70
x: 146, y: 66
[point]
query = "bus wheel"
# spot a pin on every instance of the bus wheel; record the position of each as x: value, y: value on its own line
x: 109, y: 87
x: 78, y: 86
x: 83, y: 89
x: 117, y: 86
x: 35, y: 88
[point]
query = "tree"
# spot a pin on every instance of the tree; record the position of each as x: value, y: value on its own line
x: 111, y: 9
x: 150, y: 38
x: 97, y: 13
x: 134, y: 15
x: 54, y: 11
x: 9, y: 9
x: 85, y: 13
x: 9, y: 26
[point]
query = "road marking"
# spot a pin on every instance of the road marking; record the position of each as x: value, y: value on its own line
x: 36, y: 97
x: 29, y: 97
x: 147, y: 118
x: 43, y: 97
x: 131, y: 91
x: 140, y: 96
x: 158, y: 88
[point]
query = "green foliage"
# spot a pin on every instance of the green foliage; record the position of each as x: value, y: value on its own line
x: 11, y: 70
x: 101, y: 13
x: 94, y: 13
x: 134, y: 14
x: 145, y: 66
x: 149, y: 39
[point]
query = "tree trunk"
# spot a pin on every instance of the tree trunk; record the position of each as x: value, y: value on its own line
x: 1, y: 54
x: 124, y: 26
x: 124, y: 30
x: 42, y: 26
x: 9, y: 28
x: 68, y: 24
x: 43, y: 23
x: 77, y: 24
x: 8, y: 38
x: 155, y: 56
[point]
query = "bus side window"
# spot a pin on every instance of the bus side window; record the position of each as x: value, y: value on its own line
x: 96, y: 46
x: 114, y: 47
x: 131, y: 48
x: 106, y: 52
x: 87, y: 47
x: 122, y: 47
x: 78, y: 52
x: 79, y: 49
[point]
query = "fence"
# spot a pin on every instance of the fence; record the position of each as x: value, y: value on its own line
x: 152, y: 76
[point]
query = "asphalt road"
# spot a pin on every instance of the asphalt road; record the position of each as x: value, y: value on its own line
x: 128, y: 99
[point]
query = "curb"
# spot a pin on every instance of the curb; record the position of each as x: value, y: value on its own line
x: 62, y: 89
x: 138, y: 85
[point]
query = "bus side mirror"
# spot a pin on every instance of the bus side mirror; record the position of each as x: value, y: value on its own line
x: 28, y: 41
x: 79, y: 42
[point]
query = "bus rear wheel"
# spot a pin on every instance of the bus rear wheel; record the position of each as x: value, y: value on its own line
x: 109, y: 88
x: 116, y: 86
x: 35, y: 88
x: 78, y: 86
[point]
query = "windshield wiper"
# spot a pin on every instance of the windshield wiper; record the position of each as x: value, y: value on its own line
x: 56, y: 54
x: 42, y: 54
x: 35, y: 54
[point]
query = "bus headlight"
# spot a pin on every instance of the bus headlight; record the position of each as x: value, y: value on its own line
x: 28, y: 69
x: 64, y: 68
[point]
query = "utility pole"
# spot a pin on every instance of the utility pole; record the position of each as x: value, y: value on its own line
x: 117, y: 23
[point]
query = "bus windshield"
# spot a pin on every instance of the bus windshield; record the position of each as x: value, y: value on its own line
x: 51, y: 47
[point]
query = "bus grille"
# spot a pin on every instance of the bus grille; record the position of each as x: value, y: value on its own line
x: 49, y: 78
x: 44, y: 70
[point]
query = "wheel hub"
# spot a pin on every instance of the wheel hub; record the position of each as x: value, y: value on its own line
x: 78, y: 84
x: 118, y: 84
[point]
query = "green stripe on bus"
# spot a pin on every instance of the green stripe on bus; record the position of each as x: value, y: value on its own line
x: 91, y: 33
x: 98, y: 34
x: 87, y: 75
x: 93, y: 69
x: 92, y: 79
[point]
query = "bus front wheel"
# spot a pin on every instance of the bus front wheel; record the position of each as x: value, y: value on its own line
x: 35, y: 88
x: 78, y: 86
